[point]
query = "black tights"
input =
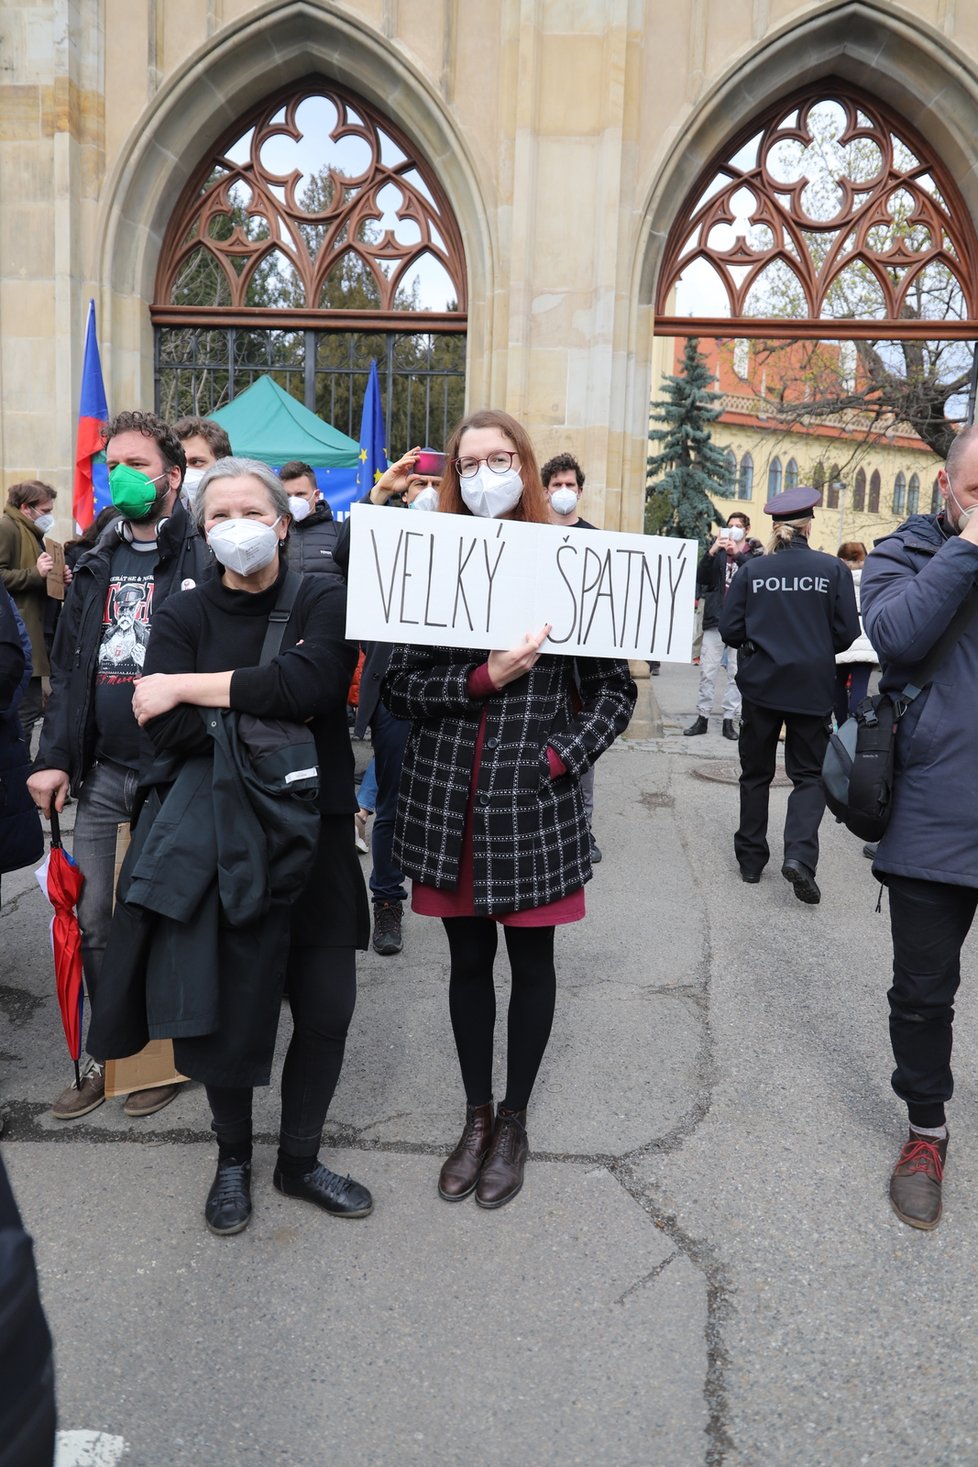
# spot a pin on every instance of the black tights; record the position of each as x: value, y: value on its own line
x: 322, y: 990
x: 472, y: 1004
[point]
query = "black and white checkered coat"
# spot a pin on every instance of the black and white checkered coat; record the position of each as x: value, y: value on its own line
x: 529, y: 833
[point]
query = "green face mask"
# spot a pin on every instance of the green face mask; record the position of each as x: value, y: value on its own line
x: 133, y: 493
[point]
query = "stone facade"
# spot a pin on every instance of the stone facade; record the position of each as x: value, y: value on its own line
x: 565, y: 132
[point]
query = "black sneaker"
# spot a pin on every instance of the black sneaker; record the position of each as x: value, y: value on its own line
x: 341, y: 1196
x: 387, y: 928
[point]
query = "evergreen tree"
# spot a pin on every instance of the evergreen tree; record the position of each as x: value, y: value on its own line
x: 678, y: 500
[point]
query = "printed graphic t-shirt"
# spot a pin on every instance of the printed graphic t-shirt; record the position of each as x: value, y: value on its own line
x: 126, y: 618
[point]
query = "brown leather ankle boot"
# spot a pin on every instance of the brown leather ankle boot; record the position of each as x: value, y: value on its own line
x: 461, y: 1170
x: 502, y: 1172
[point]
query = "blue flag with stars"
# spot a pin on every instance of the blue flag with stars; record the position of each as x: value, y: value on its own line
x: 373, y: 454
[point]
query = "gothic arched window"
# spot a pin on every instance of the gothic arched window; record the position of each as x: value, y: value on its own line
x: 859, y: 490
x: 315, y: 238
x: 875, y: 489
x: 835, y: 486
x: 899, y: 492
x: 935, y: 498
x: 774, y: 477
x: 745, y: 481
x: 913, y: 494
x: 791, y: 474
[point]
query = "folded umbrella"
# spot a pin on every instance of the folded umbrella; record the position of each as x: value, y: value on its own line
x: 61, y: 881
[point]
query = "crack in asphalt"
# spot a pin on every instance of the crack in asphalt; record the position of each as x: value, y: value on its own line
x: 24, y: 1124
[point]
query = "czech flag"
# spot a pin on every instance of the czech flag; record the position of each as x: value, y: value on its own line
x: 373, y: 454
x: 91, y: 488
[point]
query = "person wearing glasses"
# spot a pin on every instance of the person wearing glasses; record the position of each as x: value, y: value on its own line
x: 490, y: 822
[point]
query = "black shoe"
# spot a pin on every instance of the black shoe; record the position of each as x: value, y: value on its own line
x: 700, y: 726
x: 654, y: 669
x: 803, y: 882
x: 387, y: 928
x: 228, y: 1206
x: 728, y: 730
x: 341, y: 1196
x: 595, y: 850
x: 751, y: 877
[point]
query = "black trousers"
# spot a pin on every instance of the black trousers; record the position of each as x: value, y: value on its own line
x: 322, y: 991
x: 929, y: 921
x: 804, y: 749
x: 472, y: 942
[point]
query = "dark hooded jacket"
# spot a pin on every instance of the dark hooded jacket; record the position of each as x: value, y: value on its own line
x: 68, y: 732
x: 913, y: 582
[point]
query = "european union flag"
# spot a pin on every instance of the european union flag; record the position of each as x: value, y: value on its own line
x: 373, y: 454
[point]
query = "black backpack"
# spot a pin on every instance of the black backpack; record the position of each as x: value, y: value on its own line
x: 857, y: 771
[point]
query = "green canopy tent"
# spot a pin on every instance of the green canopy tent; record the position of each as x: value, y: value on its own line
x: 266, y: 423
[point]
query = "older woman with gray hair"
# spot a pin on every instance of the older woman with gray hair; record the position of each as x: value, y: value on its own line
x: 208, y: 650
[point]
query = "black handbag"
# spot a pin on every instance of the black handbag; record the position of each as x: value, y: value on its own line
x: 857, y: 771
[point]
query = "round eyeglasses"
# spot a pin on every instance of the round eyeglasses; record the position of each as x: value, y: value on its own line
x: 499, y: 463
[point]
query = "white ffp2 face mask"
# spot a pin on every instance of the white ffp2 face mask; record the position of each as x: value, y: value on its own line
x: 490, y: 495
x: 299, y: 508
x: 191, y: 483
x: 564, y: 501
x: 427, y: 499
x: 244, y: 546
x: 44, y: 522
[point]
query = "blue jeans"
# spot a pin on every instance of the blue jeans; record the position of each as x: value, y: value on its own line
x: 367, y: 793
x: 105, y: 803
x: 390, y: 736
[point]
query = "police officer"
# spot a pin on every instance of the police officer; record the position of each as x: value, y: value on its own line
x: 788, y: 612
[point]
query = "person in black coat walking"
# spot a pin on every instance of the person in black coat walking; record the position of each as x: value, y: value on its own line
x: 490, y: 822
x: 205, y: 653
x: 788, y: 612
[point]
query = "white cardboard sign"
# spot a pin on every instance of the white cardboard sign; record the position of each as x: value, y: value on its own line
x: 451, y: 580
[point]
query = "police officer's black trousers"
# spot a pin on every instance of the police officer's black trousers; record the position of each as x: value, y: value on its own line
x: 804, y: 749
x: 929, y: 921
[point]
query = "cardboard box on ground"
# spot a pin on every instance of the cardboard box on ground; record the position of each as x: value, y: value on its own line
x: 153, y: 1066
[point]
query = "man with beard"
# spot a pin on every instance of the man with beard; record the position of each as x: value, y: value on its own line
x: 90, y: 741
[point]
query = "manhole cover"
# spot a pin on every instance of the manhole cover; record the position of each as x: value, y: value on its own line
x: 720, y: 772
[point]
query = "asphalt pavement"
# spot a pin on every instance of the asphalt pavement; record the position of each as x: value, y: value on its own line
x: 701, y: 1268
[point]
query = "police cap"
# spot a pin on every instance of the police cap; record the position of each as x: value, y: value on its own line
x: 793, y: 504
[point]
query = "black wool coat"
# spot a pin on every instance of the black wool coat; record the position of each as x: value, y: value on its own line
x: 529, y: 833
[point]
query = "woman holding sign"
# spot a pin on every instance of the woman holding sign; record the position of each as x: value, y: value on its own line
x: 491, y: 823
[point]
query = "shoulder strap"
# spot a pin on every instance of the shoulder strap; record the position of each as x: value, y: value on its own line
x: 278, y: 617
x: 942, y: 648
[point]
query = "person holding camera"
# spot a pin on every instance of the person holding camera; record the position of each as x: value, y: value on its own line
x: 730, y: 549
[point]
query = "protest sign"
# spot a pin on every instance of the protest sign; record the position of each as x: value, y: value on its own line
x: 460, y: 581
x: 56, y: 575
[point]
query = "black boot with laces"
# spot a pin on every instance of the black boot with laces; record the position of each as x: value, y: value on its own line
x: 341, y: 1196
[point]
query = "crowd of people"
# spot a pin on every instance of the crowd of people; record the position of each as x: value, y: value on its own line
x: 199, y: 693
x: 200, y: 680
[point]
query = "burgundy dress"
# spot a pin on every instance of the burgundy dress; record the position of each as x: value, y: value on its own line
x: 432, y: 901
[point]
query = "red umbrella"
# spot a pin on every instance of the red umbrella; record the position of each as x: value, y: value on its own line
x: 61, y: 881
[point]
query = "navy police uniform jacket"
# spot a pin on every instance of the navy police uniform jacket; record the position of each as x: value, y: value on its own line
x: 790, y: 612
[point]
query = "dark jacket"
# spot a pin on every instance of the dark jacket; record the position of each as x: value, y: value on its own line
x: 27, y: 1407
x: 21, y: 837
x: 218, y: 850
x: 312, y: 542
x: 711, y: 581
x: 20, y: 545
x: 216, y: 987
x: 529, y: 834
x: 913, y: 582
x: 377, y: 654
x: 791, y: 612
x: 68, y: 732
